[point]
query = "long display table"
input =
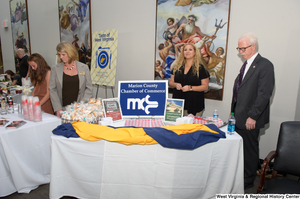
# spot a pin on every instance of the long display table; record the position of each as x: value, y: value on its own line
x: 108, y: 170
x: 25, y: 154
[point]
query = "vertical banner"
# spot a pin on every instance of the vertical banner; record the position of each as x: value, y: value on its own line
x: 104, y: 59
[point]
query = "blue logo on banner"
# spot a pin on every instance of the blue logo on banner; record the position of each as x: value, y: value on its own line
x: 103, y: 59
x: 143, y: 98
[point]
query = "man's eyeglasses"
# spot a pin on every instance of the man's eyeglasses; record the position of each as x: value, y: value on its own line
x: 242, y: 49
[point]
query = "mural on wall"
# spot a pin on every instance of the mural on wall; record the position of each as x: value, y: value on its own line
x: 201, y: 22
x: 1, y: 60
x: 74, y: 25
x: 19, y: 27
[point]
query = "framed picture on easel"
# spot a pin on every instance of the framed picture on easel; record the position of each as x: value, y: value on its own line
x: 112, y: 108
x: 174, y: 109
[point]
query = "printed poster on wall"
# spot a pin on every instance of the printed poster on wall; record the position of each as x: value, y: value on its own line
x: 104, y: 57
x: 143, y: 98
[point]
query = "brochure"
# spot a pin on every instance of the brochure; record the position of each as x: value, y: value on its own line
x: 112, y: 108
x: 16, y: 124
x: 3, y: 122
x: 174, y: 109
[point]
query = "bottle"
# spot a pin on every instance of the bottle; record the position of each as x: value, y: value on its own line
x: 3, y: 103
x: 216, y: 115
x: 231, y: 124
x: 0, y: 97
x: 20, y: 111
x: 10, y: 103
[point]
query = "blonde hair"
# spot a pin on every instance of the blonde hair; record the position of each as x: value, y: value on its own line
x: 69, y: 49
x: 181, y: 60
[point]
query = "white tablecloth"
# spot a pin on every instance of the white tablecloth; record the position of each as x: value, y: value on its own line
x: 109, y: 170
x: 25, y: 155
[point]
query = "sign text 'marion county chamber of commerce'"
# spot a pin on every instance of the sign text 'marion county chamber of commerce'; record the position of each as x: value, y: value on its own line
x: 143, y: 98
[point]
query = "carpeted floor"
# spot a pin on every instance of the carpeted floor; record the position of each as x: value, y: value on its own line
x: 42, y: 192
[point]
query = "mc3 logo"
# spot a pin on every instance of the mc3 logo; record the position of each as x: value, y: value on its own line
x: 140, y: 102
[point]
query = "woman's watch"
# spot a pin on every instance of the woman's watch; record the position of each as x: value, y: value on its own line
x: 191, y: 88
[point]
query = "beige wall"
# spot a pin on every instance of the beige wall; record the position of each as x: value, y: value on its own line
x: 275, y: 22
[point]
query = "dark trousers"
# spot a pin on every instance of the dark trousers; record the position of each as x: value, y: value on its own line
x: 251, y: 153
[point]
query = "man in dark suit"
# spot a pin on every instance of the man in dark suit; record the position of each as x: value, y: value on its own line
x: 23, y: 64
x: 252, y: 90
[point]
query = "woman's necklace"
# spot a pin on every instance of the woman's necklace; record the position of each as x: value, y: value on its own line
x: 70, y: 68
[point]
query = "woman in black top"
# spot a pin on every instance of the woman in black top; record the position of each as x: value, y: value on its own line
x: 190, y: 79
x: 70, y: 80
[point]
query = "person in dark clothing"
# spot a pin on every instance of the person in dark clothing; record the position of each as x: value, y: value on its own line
x: 190, y: 79
x: 13, y: 77
x: 70, y: 80
x: 23, y: 64
x: 253, y: 88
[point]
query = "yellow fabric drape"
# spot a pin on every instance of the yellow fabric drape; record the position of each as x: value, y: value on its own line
x: 130, y: 135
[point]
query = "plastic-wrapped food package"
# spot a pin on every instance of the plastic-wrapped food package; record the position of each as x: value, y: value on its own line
x: 90, y: 112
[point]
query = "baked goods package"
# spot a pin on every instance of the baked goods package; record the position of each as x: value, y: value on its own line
x: 90, y: 112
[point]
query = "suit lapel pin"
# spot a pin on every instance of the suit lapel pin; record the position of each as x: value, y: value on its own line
x: 253, y: 66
